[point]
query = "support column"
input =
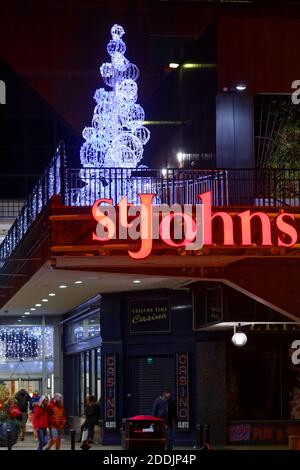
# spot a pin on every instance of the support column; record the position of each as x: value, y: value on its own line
x: 57, y: 360
x: 211, y: 388
x: 44, y: 371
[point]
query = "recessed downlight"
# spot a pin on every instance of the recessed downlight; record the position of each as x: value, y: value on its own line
x: 51, y: 294
x: 38, y: 305
x: 62, y: 286
x: 19, y: 320
x: 26, y: 313
x: 136, y: 281
x: 45, y: 300
x: 78, y: 282
x: 33, y: 308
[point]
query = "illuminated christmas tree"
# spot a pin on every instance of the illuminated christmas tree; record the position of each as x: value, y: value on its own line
x: 117, y: 136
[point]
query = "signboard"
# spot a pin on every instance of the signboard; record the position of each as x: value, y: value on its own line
x: 264, y: 432
x: 214, y: 304
x: 149, y: 316
x: 192, y: 225
x: 110, y: 421
x: 182, y: 391
x: 207, y: 306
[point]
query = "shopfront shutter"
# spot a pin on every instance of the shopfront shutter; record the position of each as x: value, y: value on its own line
x: 153, y: 373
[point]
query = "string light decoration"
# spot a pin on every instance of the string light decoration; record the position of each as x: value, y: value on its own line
x: 25, y: 342
x: 117, y: 136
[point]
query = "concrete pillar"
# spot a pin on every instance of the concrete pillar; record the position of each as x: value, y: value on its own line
x: 211, y: 388
x: 58, y: 357
x: 235, y: 130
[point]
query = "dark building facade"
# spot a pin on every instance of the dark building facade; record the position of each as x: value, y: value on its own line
x: 123, y: 342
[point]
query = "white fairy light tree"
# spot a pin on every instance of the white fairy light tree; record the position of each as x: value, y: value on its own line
x: 117, y: 136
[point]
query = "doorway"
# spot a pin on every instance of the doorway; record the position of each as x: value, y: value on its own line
x: 31, y: 385
x: 147, y: 376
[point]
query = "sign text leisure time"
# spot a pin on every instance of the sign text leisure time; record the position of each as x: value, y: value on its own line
x: 149, y: 315
x: 189, y: 227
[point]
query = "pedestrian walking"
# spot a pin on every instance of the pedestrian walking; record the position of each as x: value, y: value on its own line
x: 33, y: 401
x: 56, y: 421
x: 22, y: 399
x: 40, y: 421
x: 92, y: 416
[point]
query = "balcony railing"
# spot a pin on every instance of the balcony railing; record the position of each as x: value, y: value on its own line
x: 82, y: 186
x: 47, y: 186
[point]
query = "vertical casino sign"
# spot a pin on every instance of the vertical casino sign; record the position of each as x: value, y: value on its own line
x: 110, y: 391
x: 182, y: 391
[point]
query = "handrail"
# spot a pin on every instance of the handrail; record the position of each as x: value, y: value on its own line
x: 47, y: 186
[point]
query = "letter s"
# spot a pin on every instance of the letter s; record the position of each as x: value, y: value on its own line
x: 286, y: 229
x: 296, y: 354
x: 105, y: 216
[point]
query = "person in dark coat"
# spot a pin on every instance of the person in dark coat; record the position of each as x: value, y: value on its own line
x: 164, y: 407
x: 22, y: 399
x: 92, y: 416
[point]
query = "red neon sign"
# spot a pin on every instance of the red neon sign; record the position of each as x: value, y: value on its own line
x: 146, y: 226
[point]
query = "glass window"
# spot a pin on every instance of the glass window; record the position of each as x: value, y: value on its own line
x: 83, y: 329
x: 98, y: 373
x: 87, y: 374
x: 82, y: 382
x: 93, y: 372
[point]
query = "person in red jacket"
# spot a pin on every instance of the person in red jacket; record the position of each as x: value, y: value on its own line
x: 56, y: 420
x: 40, y: 420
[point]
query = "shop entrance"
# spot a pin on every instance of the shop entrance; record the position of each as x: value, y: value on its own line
x: 147, y: 376
x: 31, y: 386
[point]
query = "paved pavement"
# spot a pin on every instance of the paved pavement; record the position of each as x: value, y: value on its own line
x: 30, y: 443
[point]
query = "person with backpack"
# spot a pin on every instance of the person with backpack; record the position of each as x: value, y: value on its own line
x: 22, y: 398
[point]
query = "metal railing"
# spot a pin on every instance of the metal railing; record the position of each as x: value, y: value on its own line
x: 81, y: 187
x: 179, y: 186
x: 47, y: 186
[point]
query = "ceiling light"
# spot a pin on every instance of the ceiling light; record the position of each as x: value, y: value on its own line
x: 38, y: 305
x: 33, y: 309
x: 45, y: 300
x: 239, y: 338
x: 78, y: 282
x: 62, y: 286
x: 173, y: 65
x: 51, y: 294
x: 164, y: 172
x: 26, y: 313
x: 19, y: 320
x: 241, y: 87
x: 199, y: 66
x: 136, y: 281
x: 180, y: 156
x: 23, y: 316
